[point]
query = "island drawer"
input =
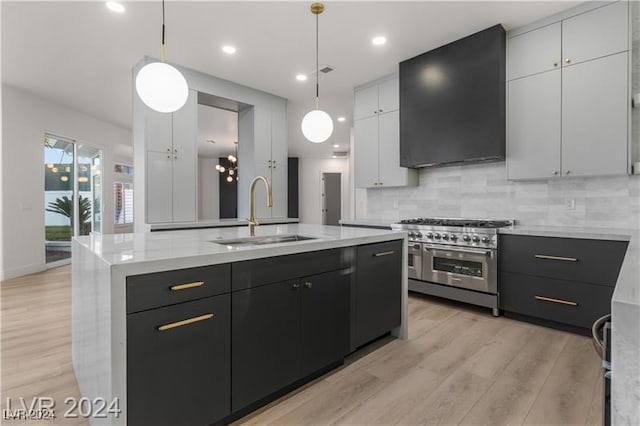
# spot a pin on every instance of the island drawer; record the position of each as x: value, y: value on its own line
x: 590, y: 261
x: 565, y: 302
x: 254, y: 273
x: 158, y: 289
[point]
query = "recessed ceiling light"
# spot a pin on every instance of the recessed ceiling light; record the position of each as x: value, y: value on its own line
x: 378, y: 40
x: 114, y: 6
x: 229, y: 50
x: 301, y: 77
x: 342, y: 119
x: 336, y: 146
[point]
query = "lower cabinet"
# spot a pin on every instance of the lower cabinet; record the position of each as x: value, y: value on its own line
x: 286, y: 331
x: 178, y: 363
x: 378, y: 295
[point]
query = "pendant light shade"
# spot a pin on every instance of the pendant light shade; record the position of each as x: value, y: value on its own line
x: 317, y: 125
x: 161, y: 86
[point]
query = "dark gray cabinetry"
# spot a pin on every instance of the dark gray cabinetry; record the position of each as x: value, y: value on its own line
x: 178, y: 364
x: 265, y: 333
x: 378, y: 296
x: 286, y: 331
x: 562, y: 281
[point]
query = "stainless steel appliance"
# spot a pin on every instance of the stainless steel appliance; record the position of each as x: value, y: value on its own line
x: 455, y: 258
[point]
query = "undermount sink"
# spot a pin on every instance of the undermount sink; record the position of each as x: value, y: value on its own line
x: 262, y: 240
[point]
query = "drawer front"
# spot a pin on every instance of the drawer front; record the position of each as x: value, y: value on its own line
x: 158, y: 289
x: 254, y: 273
x: 590, y: 261
x: 566, y: 302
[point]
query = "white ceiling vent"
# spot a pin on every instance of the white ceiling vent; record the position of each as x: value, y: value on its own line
x: 340, y: 154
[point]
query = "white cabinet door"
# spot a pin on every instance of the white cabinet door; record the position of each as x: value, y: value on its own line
x: 366, y: 152
x: 279, y: 146
x: 594, y: 117
x: 596, y: 33
x: 533, y: 126
x: 158, y: 135
x: 159, y: 187
x: 185, y: 155
x: 365, y: 102
x: 535, y: 51
x: 279, y: 185
x: 262, y: 135
x: 389, y: 95
x: 390, y: 172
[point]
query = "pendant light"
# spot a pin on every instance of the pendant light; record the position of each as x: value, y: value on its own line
x: 317, y: 125
x: 161, y: 86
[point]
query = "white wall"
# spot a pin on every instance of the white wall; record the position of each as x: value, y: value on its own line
x: 26, y: 118
x: 310, y: 173
x: 208, y: 189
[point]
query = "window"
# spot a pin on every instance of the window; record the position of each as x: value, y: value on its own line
x: 123, y: 203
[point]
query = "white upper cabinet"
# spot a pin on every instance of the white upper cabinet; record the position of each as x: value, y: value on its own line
x: 597, y: 33
x: 158, y: 131
x: 366, y: 102
x: 535, y: 51
x: 594, y: 117
x: 389, y: 95
x: 571, y: 119
x: 376, y: 148
x: 533, y: 127
x: 185, y: 158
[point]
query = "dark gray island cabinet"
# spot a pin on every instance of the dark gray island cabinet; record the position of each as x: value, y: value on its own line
x: 565, y: 283
x: 210, y: 344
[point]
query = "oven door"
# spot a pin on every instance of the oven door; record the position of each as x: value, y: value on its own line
x: 415, y: 261
x: 465, y: 267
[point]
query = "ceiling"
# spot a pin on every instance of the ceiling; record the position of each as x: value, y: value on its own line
x: 80, y: 54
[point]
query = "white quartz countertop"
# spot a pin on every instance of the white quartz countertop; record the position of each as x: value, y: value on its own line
x: 219, y: 223
x: 157, y: 251
x: 569, y: 232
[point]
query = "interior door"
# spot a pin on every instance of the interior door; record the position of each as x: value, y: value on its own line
x: 331, y: 198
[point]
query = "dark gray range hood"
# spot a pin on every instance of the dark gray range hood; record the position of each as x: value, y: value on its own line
x: 452, y: 102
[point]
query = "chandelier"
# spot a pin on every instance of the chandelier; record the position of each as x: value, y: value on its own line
x: 231, y: 170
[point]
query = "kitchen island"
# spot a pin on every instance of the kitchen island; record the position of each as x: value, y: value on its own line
x: 203, y: 326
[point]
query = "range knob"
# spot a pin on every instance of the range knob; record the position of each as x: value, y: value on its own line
x: 429, y: 235
x: 466, y: 238
x: 437, y: 236
x: 418, y: 235
x: 476, y: 239
x: 485, y: 240
x: 445, y: 237
x: 453, y: 237
x: 411, y: 235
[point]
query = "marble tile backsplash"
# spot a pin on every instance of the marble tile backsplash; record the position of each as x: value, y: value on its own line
x: 482, y: 191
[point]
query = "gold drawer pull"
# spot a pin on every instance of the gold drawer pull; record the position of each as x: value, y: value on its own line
x: 552, y: 300
x: 384, y: 253
x: 565, y: 259
x: 185, y: 322
x: 186, y: 285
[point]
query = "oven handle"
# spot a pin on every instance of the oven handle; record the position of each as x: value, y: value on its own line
x: 487, y: 252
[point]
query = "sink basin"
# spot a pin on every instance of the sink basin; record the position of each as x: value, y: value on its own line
x: 263, y: 240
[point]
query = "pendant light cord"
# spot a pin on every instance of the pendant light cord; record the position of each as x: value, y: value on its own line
x: 162, y: 53
x: 317, y: 68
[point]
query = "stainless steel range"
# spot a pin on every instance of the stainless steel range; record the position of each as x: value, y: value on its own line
x: 455, y: 258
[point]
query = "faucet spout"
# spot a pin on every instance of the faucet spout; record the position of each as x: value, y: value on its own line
x: 252, y: 201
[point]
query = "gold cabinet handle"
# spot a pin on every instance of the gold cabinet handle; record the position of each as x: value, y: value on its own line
x: 185, y: 322
x: 555, y: 64
x: 186, y: 285
x: 295, y: 286
x: 567, y: 60
x: 559, y: 301
x: 564, y: 259
x: 384, y: 253
x: 308, y: 285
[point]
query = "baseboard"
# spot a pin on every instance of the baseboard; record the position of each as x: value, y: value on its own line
x: 8, y: 274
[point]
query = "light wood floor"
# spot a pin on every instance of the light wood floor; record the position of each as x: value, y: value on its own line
x: 459, y: 366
